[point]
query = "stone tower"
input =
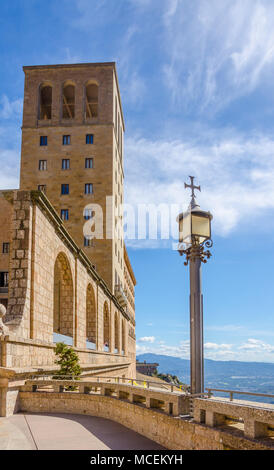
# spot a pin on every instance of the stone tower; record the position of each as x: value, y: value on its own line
x: 72, y: 149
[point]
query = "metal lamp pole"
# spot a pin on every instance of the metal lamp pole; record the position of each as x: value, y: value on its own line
x: 196, y: 322
x: 195, y: 256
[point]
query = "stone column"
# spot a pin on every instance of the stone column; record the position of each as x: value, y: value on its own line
x: 254, y: 429
x: 5, y: 375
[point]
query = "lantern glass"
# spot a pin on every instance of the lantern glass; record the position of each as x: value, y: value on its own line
x: 185, y: 228
x: 201, y: 226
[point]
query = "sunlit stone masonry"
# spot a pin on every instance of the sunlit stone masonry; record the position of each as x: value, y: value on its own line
x: 56, y: 283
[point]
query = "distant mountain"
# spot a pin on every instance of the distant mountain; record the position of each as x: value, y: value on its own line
x: 257, y: 377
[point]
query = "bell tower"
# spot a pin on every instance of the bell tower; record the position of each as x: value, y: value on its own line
x: 72, y: 149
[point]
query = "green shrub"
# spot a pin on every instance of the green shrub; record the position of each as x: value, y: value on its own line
x: 68, y: 361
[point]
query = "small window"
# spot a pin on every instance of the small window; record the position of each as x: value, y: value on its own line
x: 43, y: 140
x: 89, y: 139
x: 6, y: 248
x: 88, y: 214
x: 4, y: 279
x: 65, y: 189
x: 42, y: 165
x: 88, y: 241
x: 64, y: 214
x: 88, y: 188
x: 65, y: 164
x: 89, y: 163
x: 42, y: 187
x: 66, y: 139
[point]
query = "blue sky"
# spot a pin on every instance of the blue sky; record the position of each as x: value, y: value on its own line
x: 197, y: 88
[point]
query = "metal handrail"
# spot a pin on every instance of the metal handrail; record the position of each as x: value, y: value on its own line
x: 232, y: 392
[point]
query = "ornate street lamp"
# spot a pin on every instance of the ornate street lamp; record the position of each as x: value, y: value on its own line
x: 194, y: 237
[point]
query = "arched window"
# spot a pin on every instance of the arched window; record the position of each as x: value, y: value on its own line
x: 91, y: 101
x: 45, y: 102
x: 123, y: 337
x: 116, y: 333
x: 68, y: 101
x: 106, y: 328
x: 63, y: 297
x: 91, y: 322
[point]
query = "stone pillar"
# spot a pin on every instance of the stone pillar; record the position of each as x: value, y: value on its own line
x: 199, y: 415
x: 254, y: 429
x: 111, y: 329
x: 119, y: 333
x: 5, y: 375
x: 214, y: 419
x: 3, y: 398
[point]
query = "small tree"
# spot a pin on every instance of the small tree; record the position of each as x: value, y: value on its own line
x: 68, y: 361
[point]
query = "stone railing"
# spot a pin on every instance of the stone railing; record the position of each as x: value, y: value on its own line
x: 173, y: 403
x: 255, y: 420
x: 167, y: 386
x: 159, y: 415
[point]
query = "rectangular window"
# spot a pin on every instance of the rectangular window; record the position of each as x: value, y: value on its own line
x: 66, y: 139
x: 4, y: 279
x: 88, y: 241
x: 64, y: 214
x: 89, y: 139
x: 89, y: 163
x: 65, y: 164
x: 43, y: 140
x: 89, y: 188
x: 65, y: 189
x: 88, y: 214
x: 42, y: 165
x: 42, y: 187
x: 6, y: 248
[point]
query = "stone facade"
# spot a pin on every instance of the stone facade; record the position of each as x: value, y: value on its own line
x: 54, y: 288
x: 52, y: 281
x: 43, y: 256
x: 147, y: 368
x: 50, y: 113
x: 5, y: 237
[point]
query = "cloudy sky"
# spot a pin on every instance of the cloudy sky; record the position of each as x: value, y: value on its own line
x: 196, y: 79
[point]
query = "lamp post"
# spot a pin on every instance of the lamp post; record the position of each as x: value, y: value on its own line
x: 194, y: 237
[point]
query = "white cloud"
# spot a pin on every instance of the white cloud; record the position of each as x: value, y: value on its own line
x: 10, y: 109
x: 147, y: 339
x: 182, y: 350
x: 234, y: 170
x: 217, y: 51
x: 9, y: 176
x: 215, y: 346
x: 252, y: 350
x: 257, y: 346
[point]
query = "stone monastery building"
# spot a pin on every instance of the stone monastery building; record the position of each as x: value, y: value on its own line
x: 57, y: 282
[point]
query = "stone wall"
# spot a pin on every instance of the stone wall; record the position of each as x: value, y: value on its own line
x: 40, y: 245
x: 171, y: 432
x: 5, y: 236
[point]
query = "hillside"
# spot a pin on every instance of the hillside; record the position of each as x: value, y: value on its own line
x: 255, y: 377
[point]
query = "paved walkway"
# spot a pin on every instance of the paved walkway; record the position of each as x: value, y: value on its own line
x: 68, y: 432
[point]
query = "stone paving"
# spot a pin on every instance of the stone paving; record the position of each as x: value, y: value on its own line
x: 68, y: 432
